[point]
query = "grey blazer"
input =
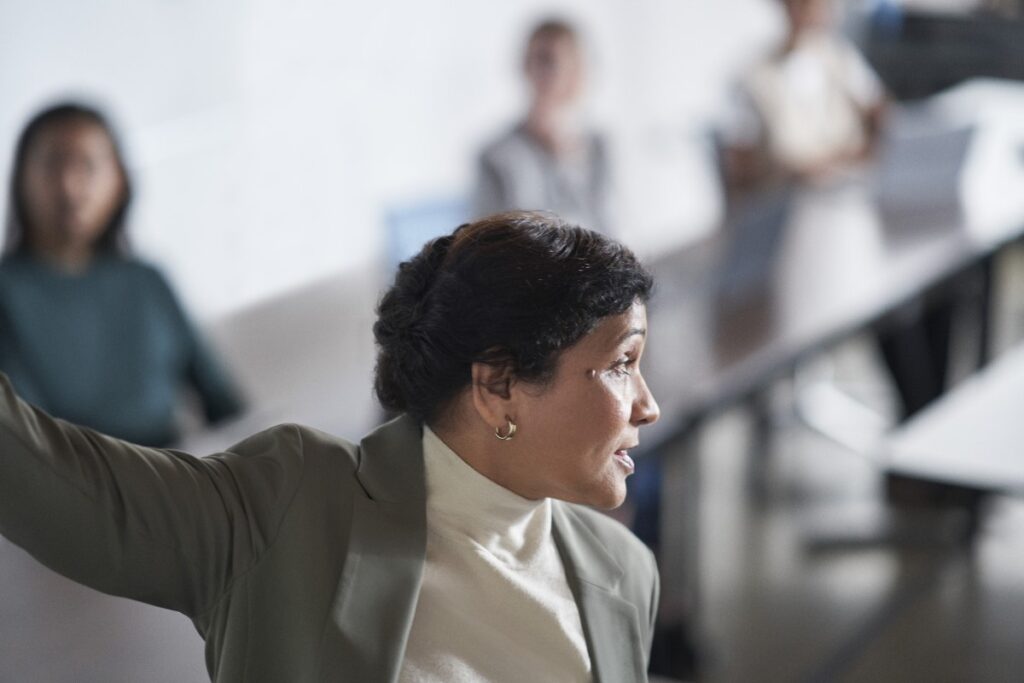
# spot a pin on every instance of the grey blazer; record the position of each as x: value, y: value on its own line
x: 297, y: 555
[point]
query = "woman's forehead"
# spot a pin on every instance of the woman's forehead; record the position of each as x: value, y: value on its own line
x: 615, y: 330
x: 82, y: 134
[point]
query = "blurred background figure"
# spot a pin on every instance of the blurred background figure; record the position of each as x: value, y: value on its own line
x: 550, y: 160
x: 812, y: 108
x: 810, y: 114
x: 87, y: 330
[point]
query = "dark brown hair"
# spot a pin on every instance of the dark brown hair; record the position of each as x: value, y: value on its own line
x: 514, y: 289
x: 552, y: 28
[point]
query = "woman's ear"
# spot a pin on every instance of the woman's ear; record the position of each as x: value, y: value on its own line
x: 492, y: 394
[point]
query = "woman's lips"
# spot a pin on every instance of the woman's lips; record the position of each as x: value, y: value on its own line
x: 623, y: 459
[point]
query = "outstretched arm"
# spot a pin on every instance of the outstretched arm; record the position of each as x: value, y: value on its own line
x: 159, y: 526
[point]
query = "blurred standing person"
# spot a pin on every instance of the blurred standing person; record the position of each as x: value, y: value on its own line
x: 88, y: 331
x: 812, y: 108
x: 550, y: 160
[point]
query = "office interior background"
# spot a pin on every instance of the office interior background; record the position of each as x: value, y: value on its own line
x: 281, y: 152
x: 294, y: 130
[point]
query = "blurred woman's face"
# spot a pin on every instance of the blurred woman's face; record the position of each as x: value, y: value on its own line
x: 575, y: 433
x: 72, y: 185
x: 554, y: 68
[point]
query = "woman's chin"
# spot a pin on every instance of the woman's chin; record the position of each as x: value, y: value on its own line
x: 608, y: 498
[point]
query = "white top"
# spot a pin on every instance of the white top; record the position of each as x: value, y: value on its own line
x: 806, y: 105
x: 494, y: 604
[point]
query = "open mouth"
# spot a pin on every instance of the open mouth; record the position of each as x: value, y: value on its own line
x: 622, y: 457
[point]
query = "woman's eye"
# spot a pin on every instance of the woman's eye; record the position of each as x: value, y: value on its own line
x: 623, y: 366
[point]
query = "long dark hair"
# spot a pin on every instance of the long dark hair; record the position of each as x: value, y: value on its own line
x: 112, y: 238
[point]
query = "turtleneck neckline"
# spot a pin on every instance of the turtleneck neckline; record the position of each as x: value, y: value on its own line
x: 465, y: 506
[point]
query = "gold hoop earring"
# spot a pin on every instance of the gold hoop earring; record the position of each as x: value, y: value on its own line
x: 511, y: 431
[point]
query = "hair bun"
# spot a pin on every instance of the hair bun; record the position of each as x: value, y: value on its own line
x: 415, y: 280
x: 399, y: 314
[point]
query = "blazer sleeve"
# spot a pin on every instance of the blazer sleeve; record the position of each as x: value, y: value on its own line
x: 159, y: 526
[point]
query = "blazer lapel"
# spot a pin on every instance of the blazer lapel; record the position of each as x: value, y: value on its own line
x: 376, y: 597
x: 610, y: 623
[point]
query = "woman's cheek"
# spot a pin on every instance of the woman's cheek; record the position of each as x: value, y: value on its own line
x: 619, y: 397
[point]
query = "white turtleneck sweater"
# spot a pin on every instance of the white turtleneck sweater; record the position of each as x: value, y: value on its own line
x: 494, y: 604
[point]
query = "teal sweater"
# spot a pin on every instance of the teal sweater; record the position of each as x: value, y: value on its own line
x: 109, y: 348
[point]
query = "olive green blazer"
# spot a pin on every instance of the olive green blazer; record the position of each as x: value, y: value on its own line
x: 297, y: 555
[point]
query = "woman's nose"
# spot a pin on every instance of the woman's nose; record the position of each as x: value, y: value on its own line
x: 645, y: 408
x: 72, y: 183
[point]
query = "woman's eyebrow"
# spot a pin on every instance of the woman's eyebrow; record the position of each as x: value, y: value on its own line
x: 629, y: 333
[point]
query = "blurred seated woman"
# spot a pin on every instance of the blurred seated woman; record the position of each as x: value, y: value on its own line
x: 454, y: 543
x: 88, y: 332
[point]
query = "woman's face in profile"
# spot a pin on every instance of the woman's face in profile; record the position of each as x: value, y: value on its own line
x: 73, y: 184
x: 575, y: 432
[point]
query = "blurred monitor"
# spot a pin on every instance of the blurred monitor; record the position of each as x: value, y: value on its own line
x: 410, y: 226
x: 920, y: 49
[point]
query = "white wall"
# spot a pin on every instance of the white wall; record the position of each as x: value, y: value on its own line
x: 268, y: 139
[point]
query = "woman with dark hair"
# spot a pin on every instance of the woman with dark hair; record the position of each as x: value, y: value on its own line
x: 454, y: 543
x: 88, y: 332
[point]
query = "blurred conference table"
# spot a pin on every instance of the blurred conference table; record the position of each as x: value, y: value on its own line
x: 972, y: 437
x: 817, y: 265
x: 731, y: 313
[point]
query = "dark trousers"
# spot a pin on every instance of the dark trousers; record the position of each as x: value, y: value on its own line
x: 917, y: 356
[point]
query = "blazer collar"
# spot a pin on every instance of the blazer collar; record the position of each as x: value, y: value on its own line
x: 610, y: 624
x: 391, y: 463
x: 581, y: 550
x: 375, y: 601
